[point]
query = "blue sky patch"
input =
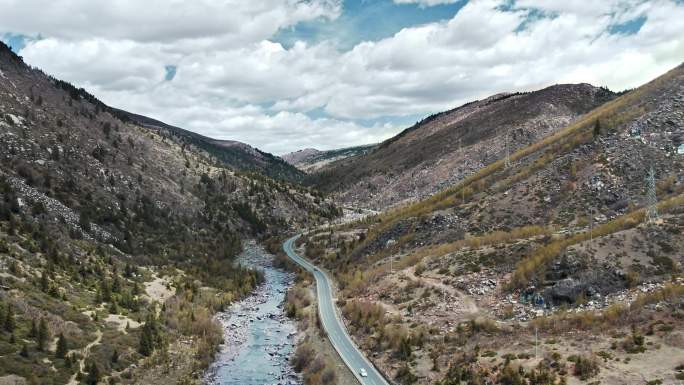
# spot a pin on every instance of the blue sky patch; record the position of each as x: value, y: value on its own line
x: 170, y: 72
x: 629, y: 27
x: 363, y: 20
x: 15, y: 41
x: 533, y: 15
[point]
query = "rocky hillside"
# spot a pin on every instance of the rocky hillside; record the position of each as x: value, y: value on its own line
x: 230, y: 153
x: 102, y: 217
x: 312, y: 160
x: 445, y: 148
x: 575, y: 242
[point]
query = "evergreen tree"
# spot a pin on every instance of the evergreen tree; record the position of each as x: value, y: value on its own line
x: 405, y: 349
x: 116, y: 285
x: 33, y: 333
x: 24, y: 351
x: 150, y: 336
x: 146, y: 346
x: 94, y: 375
x: 43, y: 335
x: 115, y: 356
x: 44, y: 282
x: 62, y: 347
x: 597, y: 128
x: 8, y: 322
x: 106, y: 291
x: 113, y: 308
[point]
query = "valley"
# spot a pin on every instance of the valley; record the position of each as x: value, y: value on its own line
x: 526, y: 238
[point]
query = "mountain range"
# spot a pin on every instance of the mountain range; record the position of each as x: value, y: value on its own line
x: 530, y: 238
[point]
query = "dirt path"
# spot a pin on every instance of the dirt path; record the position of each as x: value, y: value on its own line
x: 121, y: 322
x: 157, y: 289
x: 469, y: 305
x: 85, y: 352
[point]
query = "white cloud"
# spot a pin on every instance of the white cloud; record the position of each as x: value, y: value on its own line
x: 426, y: 3
x: 234, y: 82
x: 189, y: 25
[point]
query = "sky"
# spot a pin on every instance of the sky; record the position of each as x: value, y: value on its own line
x: 283, y: 75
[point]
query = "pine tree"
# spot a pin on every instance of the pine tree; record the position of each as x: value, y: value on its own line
x: 43, y: 334
x: 150, y: 337
x: 8, y: 322
x: 113, y: 308
x: 93, y: 374
x: 62, y: 347
x: 597, y: 128
x: 106, y: 290
x: 405, y: 348
x: 33, y: 333
x: 116, y: 285
x: 24, y: 351
x: 115, y: 356
x: 146, y: 341
x: 44, y: 282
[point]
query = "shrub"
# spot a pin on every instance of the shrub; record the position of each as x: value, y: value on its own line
x: 634, y: 343
x: 585, y: 367
x: 405, y: 375
x: 302, y: 356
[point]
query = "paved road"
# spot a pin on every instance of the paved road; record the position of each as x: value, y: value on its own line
x: 337, y: 334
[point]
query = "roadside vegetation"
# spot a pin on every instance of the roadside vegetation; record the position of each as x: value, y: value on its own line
x: 314, y: 357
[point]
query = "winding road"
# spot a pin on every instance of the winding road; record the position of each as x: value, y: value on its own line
x: 332, y: 323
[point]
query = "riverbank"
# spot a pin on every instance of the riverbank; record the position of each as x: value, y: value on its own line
x: 258, y: 338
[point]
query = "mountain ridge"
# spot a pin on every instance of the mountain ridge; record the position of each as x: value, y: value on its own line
x: 239, y: 155
x: 445, y: 147
x: 311, y: 160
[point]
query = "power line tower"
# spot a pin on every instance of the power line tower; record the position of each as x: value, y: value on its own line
x: 651, y: 198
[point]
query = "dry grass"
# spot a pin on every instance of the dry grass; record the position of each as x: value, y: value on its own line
x: 475, y: 242
x: 535, y: 264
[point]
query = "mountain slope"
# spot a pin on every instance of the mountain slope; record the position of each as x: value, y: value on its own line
x: 444, y: 148
x: 557, y: 247
x: 101, y: 221
x: 234, y: 154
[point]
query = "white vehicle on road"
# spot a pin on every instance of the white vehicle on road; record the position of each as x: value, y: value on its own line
x: 363, y: 372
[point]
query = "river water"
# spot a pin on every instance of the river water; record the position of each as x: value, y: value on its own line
x: 259, y: 338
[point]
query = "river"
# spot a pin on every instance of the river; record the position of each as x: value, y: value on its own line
x: 258, y: 337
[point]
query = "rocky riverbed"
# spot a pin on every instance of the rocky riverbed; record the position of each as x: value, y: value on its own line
x: 259, y: 338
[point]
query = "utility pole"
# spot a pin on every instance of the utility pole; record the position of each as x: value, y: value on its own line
x: 460, y: 149
x: 536, y: 343
x: 591, y: 223
x: 651, y: 198
x: 507, y: 161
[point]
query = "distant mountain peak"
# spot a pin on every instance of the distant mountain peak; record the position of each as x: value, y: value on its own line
x: 311, y: 159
